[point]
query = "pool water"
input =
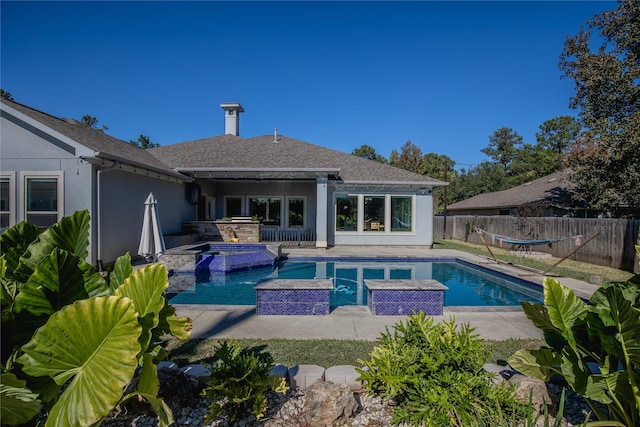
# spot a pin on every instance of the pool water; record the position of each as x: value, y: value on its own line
x: 468, y: 286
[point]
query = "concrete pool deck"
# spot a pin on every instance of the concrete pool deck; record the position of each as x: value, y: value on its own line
x: 356, y: 322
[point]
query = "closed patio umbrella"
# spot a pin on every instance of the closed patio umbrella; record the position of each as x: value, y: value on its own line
x: 151, y: 239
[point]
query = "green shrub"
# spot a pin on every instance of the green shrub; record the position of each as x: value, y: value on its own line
x: 240, y: 379
x: 604, y: 333
x: 435, y: 375
x: 73, y: 339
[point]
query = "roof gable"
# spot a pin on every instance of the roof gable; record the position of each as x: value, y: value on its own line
x: 93, y: 143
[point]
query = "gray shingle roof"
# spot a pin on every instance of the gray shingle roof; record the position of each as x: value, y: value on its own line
x: 104, y: 146
x: 262, y: 153
x: 551, y: 190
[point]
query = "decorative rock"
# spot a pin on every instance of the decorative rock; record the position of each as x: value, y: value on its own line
x: 281, y: 371
x: 527, y: 387
x: 503, y: 373
x: 327, y: 404
x: 200, y: 372
x: 302, y: 376
x: 167, y: 365
x: 343, y: 374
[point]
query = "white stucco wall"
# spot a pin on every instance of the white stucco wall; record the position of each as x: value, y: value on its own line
x: 123, y: 197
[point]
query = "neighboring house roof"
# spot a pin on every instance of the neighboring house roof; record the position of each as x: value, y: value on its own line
x: 262, y: 157
x: 551, y: 190
x: 99, y: 144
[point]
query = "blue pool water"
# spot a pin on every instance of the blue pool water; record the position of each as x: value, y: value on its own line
x: 468, y: 286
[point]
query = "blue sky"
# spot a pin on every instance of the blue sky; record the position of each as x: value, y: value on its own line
x: 444, y: 75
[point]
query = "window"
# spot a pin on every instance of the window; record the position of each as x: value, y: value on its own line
x: 295, y: 207
x: 374, y: 213
x: 6, y: 203
x: 43, y: 201
x: 347, y: 213
x: 401, y: 213
x: 233, y: 206
x: 267, y: 209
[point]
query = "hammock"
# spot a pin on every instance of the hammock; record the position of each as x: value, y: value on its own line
x: 514, y: 241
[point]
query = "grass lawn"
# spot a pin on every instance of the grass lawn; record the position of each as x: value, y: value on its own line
x: 325, y: 353
x: 568, y: 268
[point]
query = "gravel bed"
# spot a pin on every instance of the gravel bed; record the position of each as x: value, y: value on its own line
x: 287, y: 411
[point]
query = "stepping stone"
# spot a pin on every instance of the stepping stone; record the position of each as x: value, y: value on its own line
x: 302, y: 376
x: 343, y: 374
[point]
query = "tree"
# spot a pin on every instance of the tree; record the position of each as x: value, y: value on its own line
x: 368, y: 152
x: 606, y: 159
x: 440, y: 167
x: 503, y: 144
x: 5, y: 95
x: 410, y: 158
x: 486, y: 177
x: 144, y: 142
x: 91, y: 122
x: 557, y: 134
x: 547, y: 156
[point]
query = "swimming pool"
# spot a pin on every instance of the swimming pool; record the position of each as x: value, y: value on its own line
x: 468, y: 285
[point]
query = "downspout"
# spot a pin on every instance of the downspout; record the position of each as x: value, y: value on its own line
x: 115, y: 165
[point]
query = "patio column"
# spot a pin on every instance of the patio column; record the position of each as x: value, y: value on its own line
x: 321, y: 212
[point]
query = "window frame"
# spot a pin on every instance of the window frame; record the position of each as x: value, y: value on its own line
x: 279, y: 198
x: 12, y: 199
x: 24, y: 177
x: 304, y: 210
x: 388, y: 214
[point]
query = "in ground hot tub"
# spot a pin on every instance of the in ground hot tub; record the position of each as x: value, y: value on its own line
x: 228, y: 257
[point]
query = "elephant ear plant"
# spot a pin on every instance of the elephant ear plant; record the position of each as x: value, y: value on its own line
x: 595, y: 347
x: 72, y: 340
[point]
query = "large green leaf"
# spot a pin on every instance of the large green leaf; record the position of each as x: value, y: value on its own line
x: 121, y: 270
x: 14, y: 242
x: 565, y: 309
x: 616, y: 310
x: 59, y: 280
x: 146, y: 288
x: 540, y: 364
x: 539, y: 316
x: 17, y: 403
x: 179, y: 327
x: 70, y: 234
x: 93, y: 343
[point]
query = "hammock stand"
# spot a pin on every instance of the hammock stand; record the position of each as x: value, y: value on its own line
x: 504, y: 239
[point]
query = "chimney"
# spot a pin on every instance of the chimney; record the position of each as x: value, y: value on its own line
x: 232, y: 117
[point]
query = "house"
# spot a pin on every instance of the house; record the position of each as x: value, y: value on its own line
x: 51, y: 167
x: 288, y: 185
x: 551, y: 195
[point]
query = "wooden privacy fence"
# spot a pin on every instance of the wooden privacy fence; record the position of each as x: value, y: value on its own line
x: 613, y: 247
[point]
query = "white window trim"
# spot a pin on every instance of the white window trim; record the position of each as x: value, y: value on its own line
x: 282, y: 208
x: 360, y: 224
x: 387, y: 214
x: 413, y: 214
x: 304, y: 211
x: 22, y: 193
x: 12, y: 196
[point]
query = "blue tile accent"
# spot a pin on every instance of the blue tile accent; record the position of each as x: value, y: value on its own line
x: 403, y: 302
x: 287, y: 302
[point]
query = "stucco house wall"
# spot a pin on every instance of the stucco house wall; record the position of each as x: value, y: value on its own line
x: 123, y: 196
